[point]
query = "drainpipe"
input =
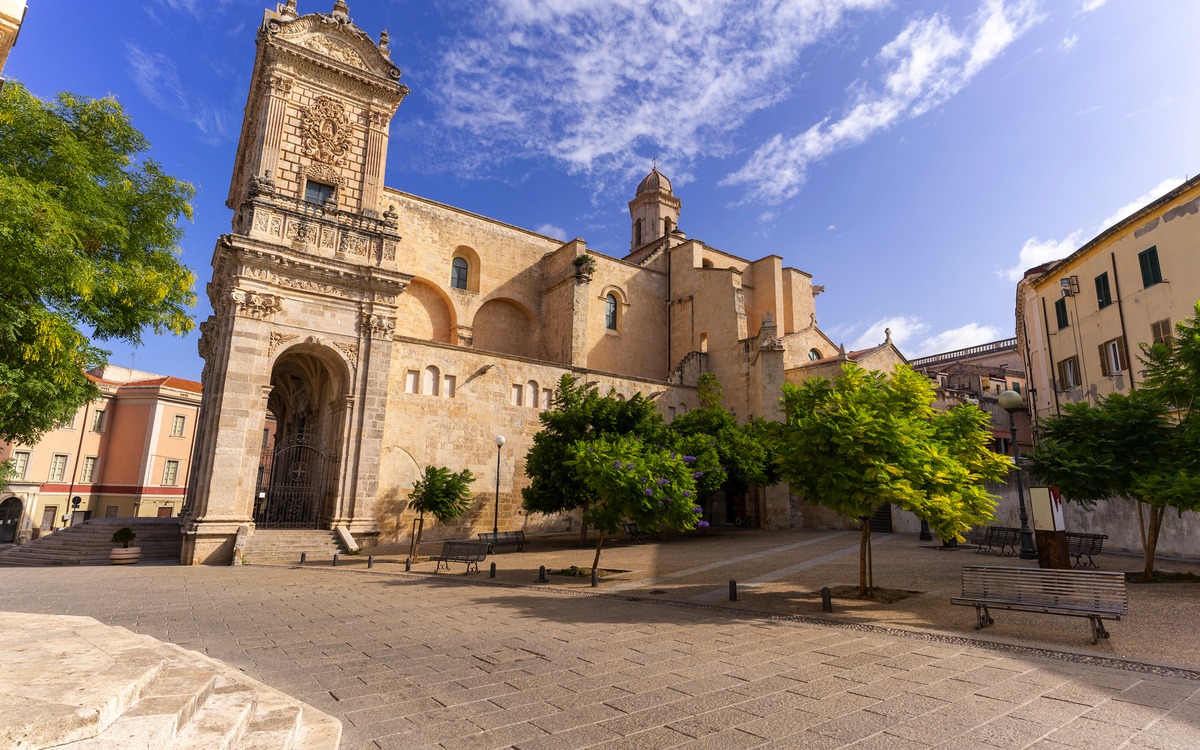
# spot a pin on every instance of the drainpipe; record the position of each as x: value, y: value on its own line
x: 78, y: 457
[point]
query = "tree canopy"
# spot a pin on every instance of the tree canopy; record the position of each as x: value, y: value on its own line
x: 441, y: 493
x: 89, y: 251
x: 868, y: 438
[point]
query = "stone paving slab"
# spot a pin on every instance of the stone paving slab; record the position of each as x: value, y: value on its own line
x: 409, y: 662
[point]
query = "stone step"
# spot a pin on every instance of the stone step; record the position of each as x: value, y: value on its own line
x: 90, y: 542
x: 219, y: 725
x: 274, y: 726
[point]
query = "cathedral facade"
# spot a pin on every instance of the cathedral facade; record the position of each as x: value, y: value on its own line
x: 361, y: 333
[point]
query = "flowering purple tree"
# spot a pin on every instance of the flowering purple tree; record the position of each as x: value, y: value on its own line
x: 649, y: 485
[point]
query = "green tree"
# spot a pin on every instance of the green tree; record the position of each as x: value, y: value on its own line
x: 442, y: 494
x: 580, y: 413
x: 630, y: 480
x: 744, y: 452
x: 1140, y: 447
x: 89, y: 241
x: 867, y: 438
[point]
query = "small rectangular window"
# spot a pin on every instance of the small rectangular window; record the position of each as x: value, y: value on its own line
x: 58, y: 467
x: 266, y: 437
x: 670, y: 413
x: 316, y: 192
x: 170, y: 473
x: 177, y: 425
x: 1016, y: 387
x: 412, y: 382
x: 1060, y: 311
x: 1068, y: 373
x: 517, y: 392
x: 547, y: 398
x: 70, y: 423
x: 98, y: 420
x: 1162, y: 332
x: 20, y: 461
x: 1112, y: 357
x: 1103, y: 296
x: 111, y: 511
x: 449, y: 382
x: 87, y: 476
x: 1151, y: 273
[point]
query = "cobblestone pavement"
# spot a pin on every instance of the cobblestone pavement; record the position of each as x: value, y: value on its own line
x: 409, y: 662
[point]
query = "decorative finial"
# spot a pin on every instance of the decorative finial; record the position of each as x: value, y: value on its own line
x: 842, y: 352
x: 655, y: 160
x: 287, y: 10
x: 340, y: 7
x: 383, y: 39
x: 887, y: 332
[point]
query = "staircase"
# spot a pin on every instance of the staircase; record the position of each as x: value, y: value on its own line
x: 283, y: 546
x: 90, y: 542
x: 881, y: 522
x: 71, y: 682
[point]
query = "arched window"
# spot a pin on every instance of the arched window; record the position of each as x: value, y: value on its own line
x: 813, y: 355
x: 667, y: 225
x: 610, y: 312
x: 432, y: 385
x: 637, y: 233
x: 533, y: 394
x: 706, y: 263
x: 458, y: 273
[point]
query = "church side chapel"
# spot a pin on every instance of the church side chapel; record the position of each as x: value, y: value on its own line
x: 380, y: 332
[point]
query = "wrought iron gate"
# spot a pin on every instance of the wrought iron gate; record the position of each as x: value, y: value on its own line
x: 291, y: 485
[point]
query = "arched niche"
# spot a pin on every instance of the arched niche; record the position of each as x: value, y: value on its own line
x: 506, y: 326
x: 424, y: 311
x: 473, y: 267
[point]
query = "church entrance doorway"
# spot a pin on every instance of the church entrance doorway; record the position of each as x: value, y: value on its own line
x: 10, y: 516
x: 297, y: 475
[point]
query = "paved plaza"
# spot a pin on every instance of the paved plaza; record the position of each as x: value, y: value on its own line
x: 419, y: 662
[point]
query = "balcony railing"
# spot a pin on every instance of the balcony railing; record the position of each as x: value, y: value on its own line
x: 970, y: 351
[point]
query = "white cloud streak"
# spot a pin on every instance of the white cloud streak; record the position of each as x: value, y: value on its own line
x: 551, y: 230
x: 1090, y: 5
x: 1036, y: 252
x: 911, y: 336
x: 158, y: 80
x: 593, y: 82
x: 924, y: 66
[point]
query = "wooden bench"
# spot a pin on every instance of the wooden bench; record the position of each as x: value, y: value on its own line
x: 1096, y: 595
x: 503, y: 539
x: 634, y: 532
x: 1080, y: 545
x: 996, y: 538
x: 471, y: 553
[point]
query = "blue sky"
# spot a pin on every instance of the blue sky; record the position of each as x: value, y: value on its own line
x: 912, y: 156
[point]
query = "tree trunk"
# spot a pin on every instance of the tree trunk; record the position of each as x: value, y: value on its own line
x: 599, y: 544
x: 415, y: 552
x: 862, y: 557
x: 583, y: 524
x: 870, y: 563
x: 1157, y: 515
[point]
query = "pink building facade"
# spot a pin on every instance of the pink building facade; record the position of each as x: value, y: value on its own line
x: 126, y: 454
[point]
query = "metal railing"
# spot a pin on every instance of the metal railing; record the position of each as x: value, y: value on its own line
x: 970, y: 351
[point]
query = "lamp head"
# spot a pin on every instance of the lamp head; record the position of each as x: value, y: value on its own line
x: 1010, y: 401
x: 499, y: 441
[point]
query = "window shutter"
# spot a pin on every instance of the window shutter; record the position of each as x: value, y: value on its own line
x: 1062, y: 377
x: 1154, y: 269
x: 1144, y: 262
x: 1104, y: 360
x: 1121, y: 356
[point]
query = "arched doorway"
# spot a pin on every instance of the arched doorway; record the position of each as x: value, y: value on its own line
x: 298, y: 472
x: 10, y: 516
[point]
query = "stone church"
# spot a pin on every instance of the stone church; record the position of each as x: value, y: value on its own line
x: 361, y: 333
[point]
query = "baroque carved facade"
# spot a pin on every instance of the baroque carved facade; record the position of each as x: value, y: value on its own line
x: 385, y: 332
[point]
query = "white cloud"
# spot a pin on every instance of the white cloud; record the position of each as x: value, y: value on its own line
x: 767, y: 217
x: 593, y: 82
x: 832, y: 228
x: 1155, y: 193
x: 158, y: 80
x: 904, y: 329
x: 910, y: 335
x: 972, y: 334
x: 1090, y: 5
x: 925, y: 65
x: 1069, y: 43
x: 550, y: 230
x: 1035, y: 251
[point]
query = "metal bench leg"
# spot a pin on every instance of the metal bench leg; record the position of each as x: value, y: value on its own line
x: 438, y: 569
x: 468, y: 570
x: 979, y: 617
x: 520, y: 546
x: 1095, y: 629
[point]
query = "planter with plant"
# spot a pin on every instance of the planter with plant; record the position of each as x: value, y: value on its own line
x: 124, y: 555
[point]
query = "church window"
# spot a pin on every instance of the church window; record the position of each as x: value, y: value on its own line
x: 637, y: 233
x: 533, y: 394
x: 704, y: 342
x: 814, y: 355
x: 610, y: 312
x: 458, y: 273
x: 706, y: 263
x: 316, y: 192
x: 517, y: 393
x: 432, y: 381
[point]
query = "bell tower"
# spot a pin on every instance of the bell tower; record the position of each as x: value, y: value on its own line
x: 654, y: 210
x: 304, y: 290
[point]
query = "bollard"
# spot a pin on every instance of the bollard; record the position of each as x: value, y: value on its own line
x: 370, y: 561
x: 826, y: 600
x: 407, y: 564
x: 542, y: 575
x: 303, y: 557
x: 335, y: 560
x: 492, y: 573
x: 732, y: 590
x: 595, y: 578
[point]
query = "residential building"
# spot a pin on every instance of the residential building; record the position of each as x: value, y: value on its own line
x: 978, y: 375
x: 125, y: 454
x: 1081, y: 321
x: 12, y: 13
x: 386, y: 332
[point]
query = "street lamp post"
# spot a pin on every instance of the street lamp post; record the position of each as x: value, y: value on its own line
x: 1010, y: 401
x: 496, y: 517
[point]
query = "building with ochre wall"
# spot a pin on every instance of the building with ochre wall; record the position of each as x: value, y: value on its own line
x: 384, y: 332
x: 125, y: 454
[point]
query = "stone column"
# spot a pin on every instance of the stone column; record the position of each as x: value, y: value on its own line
x: 277, y: 89
x: 376, y: 160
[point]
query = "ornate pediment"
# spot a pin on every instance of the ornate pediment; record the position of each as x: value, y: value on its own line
x: 333, y: 35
